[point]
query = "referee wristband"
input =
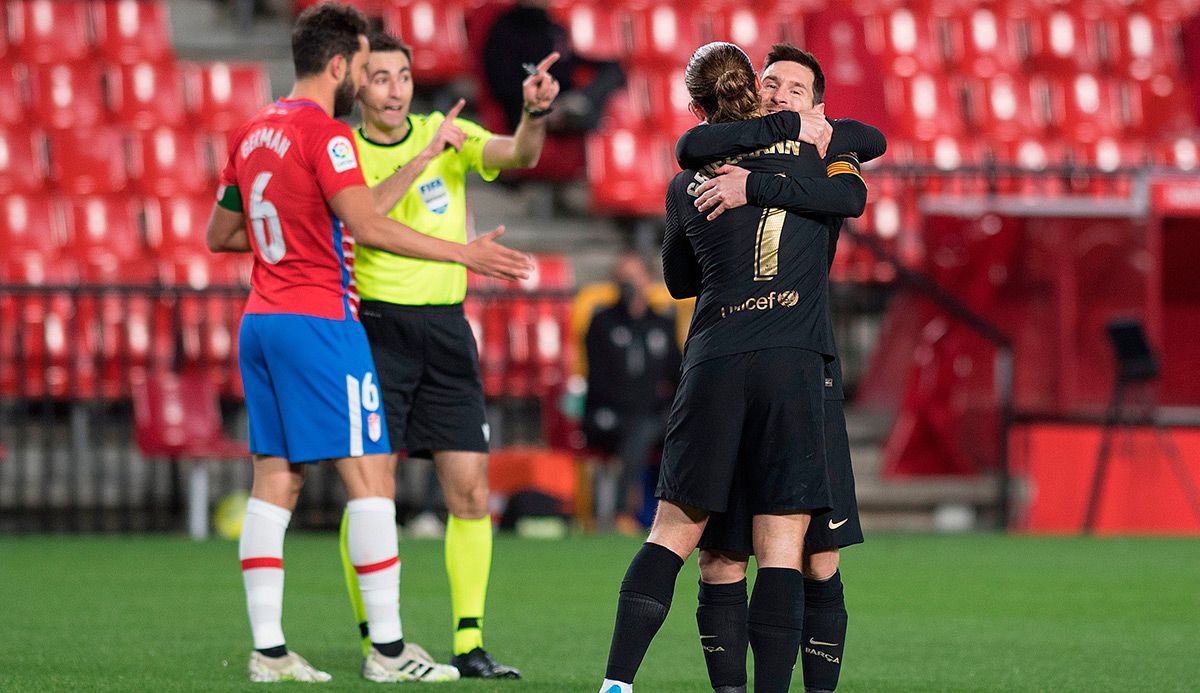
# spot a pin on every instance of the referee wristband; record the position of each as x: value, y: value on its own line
x: 539, y: 114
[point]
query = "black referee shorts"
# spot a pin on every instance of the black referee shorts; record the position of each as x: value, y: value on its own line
x: 428, y: 368
x: 758, y: 415
x: 731, y: 530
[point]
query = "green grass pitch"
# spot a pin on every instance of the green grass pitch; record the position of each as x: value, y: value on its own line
x: 959, y: 613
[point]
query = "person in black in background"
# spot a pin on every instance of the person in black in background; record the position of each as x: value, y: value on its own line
x: 749, y: 402
x: 515, y: 40
x: 792, y: 81
x: 633, y: 367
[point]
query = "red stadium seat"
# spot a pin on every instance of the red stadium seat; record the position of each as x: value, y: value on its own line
x: 926, y: 106
x: 597, y: 30
x: 1159, y: 106
x: 84, y: 161
x: 146, y: 95
x: 1147, y: 45
x: 664, y: 32
x: 103, y: 232
x: 167, y: 162
x: 437, y: 33
x: 22, y: 160
x: 133, y: 31
x: 225, y: 95
x: 1086, y: 107
x: 66, y: 95
x: 46, y: 31
x: 1059, y: 42
x: 753, y: 27
x: 661, y: 97
x: 628, y: 171
x: 175, y: 226
x: 12, y: 94
x: 35, y: 351
x: 30, y: 222
x: 1180, y: 153
x: 906, y: 40
x: 984, y: 42
x: 1007, y: 107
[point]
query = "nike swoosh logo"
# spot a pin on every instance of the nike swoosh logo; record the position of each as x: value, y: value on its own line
x: 818, y: 642
x: 835, y: 525
x: 705, y: 637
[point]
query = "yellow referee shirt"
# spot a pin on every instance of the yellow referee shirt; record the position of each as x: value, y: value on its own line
x: 435, y: 205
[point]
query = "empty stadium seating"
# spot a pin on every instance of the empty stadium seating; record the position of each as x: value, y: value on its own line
x: 88, y: 160
x: 22, y: 159
x: 144, y: 95
x: 132, y: 31
x: 225, y: 95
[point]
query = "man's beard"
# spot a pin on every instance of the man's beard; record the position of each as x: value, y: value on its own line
x: 343, y: 98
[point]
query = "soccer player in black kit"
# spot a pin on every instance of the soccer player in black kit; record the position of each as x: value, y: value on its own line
x: 792, y: 80
x: 750, y: 401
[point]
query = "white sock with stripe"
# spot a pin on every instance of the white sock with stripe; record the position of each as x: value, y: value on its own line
x: 261, y: 552
x: 371, y: 536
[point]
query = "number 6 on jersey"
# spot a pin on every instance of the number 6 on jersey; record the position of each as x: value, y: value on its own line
x: 264, y: 219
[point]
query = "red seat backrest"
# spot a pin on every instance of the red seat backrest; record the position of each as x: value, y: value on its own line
x: 43, y: 31
x: 174, y: 412
x: 145, y: 95
x: 66, y: 95
x: 84, y: 161
x: 130, y: 31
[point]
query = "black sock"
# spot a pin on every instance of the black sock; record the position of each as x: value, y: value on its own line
x: 641, y: 609
x: 824, y: 633
x: 721, y: 617
x: 277, y: 651
x: 390, y: 649
x: 774, y: 622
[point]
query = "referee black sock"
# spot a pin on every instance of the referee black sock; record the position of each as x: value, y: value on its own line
x: 721, y: 617
x: 774, y: 623
x: 824, y: 633
x: 641, y: 609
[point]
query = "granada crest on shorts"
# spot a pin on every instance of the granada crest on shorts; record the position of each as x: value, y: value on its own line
x: 374, y: 426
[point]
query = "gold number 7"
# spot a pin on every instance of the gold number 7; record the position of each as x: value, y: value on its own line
x: 766, y: 244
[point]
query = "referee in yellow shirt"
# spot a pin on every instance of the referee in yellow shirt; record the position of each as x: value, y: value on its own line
x: 424, y: 350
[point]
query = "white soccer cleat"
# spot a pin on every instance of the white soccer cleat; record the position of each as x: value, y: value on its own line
x: 413, y: 664
x: 293, y: 667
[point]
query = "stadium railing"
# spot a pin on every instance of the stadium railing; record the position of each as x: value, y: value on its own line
x: 71, y: 353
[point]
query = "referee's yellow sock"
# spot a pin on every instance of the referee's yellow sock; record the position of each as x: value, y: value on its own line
x: 468, y: 563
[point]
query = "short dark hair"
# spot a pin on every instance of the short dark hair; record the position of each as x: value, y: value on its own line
x: 323, y: 31
x: 788, y: 52
x: 384, y: 42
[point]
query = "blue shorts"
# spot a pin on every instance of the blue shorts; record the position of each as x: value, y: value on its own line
x: 311, y: 388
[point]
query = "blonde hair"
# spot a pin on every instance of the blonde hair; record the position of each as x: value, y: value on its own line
x: 720, y: 80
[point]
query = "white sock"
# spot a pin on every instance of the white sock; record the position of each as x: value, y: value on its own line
x: 610, y: 686
x: 261, y: 552
x: 371, y: 535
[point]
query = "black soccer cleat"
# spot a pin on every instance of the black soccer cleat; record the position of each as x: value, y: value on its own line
x: 478, y: 664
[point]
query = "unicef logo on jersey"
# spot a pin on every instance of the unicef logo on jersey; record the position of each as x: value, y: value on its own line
x: 435, y: 195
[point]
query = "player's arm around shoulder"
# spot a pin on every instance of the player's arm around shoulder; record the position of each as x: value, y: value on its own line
x: 524, y: 148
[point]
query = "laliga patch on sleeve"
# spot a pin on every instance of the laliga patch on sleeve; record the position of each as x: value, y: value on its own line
x: 341, y: 154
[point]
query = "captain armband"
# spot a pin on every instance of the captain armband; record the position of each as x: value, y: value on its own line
x: 845, y: 164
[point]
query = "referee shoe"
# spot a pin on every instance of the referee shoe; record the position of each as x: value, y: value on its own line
x: 478, y: 664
